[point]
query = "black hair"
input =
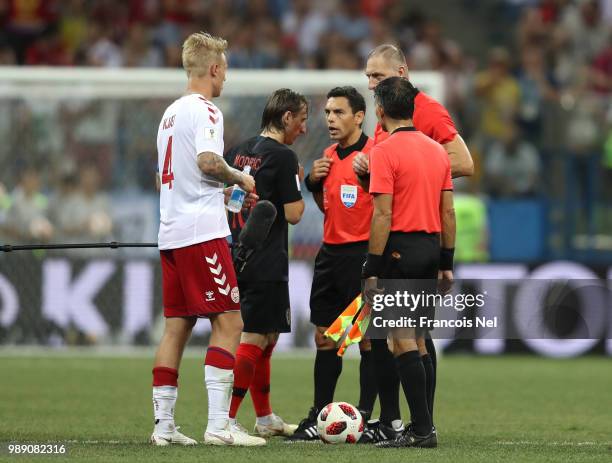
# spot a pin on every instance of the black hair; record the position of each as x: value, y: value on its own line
x: 396, y: 96
x: 355, y: 99
x: 281, y: 101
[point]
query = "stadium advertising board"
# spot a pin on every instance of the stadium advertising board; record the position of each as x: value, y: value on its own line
x: 70, y: 301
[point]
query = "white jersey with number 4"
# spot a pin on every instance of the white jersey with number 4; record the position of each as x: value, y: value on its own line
x: 191, y: 203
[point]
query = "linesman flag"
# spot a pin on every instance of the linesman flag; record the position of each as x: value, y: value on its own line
x: 354, y: 319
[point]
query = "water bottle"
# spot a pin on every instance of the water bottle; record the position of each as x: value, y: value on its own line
x: 238, y: 194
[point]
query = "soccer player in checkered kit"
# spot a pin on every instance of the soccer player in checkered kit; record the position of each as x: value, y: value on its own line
x: 432, y: 119
x: 198, y: 276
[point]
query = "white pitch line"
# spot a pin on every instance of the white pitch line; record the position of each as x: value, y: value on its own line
x: 555, y: 444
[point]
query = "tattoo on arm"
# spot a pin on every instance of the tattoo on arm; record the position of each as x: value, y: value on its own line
x: 214, y: 165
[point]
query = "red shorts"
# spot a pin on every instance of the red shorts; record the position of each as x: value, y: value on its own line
x: 199, y: 280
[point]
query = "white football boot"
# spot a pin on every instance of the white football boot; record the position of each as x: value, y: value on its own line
x: 273, y: 425
x: 172, y: 437
x: 233, y: 435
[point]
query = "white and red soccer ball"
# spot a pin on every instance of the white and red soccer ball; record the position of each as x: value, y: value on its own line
x: 340, y: 422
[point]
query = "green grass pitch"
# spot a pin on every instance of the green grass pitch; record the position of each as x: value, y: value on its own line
x: 488, y: 409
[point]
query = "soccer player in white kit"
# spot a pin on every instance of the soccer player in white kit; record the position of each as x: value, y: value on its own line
x: 198, y: 276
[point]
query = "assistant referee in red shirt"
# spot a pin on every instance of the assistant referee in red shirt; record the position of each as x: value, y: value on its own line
x: 412, y: 234
x: 433, y: 120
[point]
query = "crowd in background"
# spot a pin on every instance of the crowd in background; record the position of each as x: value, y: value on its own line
x: 542, y: 91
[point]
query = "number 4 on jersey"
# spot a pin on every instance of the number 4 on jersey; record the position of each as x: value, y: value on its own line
x: 167, y: 174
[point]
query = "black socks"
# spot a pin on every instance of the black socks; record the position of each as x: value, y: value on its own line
x: 414, y: 382
x: 430, y: 381
x: 431, y: 351
x: 367, y: 383
x: 327, y: 369
x: 387, y: 381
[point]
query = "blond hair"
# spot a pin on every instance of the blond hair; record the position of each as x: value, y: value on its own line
x: 200, y: 50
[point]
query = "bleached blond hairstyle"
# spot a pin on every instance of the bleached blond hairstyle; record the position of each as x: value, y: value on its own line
x: 200, y: 50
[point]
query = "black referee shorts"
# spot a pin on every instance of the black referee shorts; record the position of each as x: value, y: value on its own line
x: 336, y: 281
x: 411, y: 261
x: 264, y: 306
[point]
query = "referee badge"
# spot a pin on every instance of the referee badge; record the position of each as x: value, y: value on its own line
x: 348, y: 195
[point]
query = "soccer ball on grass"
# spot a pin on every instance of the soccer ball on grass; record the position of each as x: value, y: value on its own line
x: 340, y: 422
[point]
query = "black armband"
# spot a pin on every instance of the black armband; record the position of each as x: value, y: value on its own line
x: 313, y: 187
x: 447, y: 256
x: 372, y: 267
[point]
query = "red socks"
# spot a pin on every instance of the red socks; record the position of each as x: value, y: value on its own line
x: 164, y: 376
x: 219, y: 358
x: 260, y: 386
x: 247, y: 358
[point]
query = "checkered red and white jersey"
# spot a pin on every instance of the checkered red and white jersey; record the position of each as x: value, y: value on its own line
x: 191, y: 203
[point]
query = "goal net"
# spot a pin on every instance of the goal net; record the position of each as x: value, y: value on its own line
x: 71, y: 124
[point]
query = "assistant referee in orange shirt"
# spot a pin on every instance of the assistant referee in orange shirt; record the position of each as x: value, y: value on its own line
x: 412, y: 235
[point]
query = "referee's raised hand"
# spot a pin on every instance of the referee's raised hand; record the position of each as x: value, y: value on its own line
x: 320, y: 169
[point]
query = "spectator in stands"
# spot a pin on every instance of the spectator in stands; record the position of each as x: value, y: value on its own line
x: 306, y: 24
x: 81, y: 210
x: 7, y: 55
x: 73, y: 24
x: 432, y: 49
x: 48, y: 50
x: 63, y: 204
x: 100, y: 49
x: 537, y: 87
x: 534, y: 30
x: 499, y: 95
x: 600, y: 74
x: 349, y: 22
x: 138, y: 49
x: 512, y: 166
x: 579, y: 36
x: 26, y: 220
x: 25, y: 22
x: 248, y: 50
x: 458, y: 72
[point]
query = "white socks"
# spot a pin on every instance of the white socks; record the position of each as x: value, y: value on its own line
x: 219, y: 383
x: 164, y: 400
x: 265, y: 420
x: 398, y: 425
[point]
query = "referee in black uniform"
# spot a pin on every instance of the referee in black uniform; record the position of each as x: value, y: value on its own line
x: 412, y: 238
